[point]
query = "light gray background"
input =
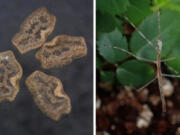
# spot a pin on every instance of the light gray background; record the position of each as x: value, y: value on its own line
x: 23, y: 117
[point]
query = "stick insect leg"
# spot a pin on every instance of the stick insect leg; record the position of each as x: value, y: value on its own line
x: 147, y: 84
x: 140, y: 33
x: 131, y: 54
x: 168, y: 59
x: 172, y: 69
x: 170, y: 75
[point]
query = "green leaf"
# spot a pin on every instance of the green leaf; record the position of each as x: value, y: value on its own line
x: 159, y: 4
x: 175, y: 64
x: 114, y: 39
x: 134, y: 73
x: 107, y: 76
x: 107, y: 23
x: 173, y: 5
x: 138, y: 10
x: 114, y: 7
x: 99, y: 62
x: 170, y: 30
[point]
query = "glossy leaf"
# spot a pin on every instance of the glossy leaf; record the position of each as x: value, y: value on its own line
x: 173, y: 5
x: 107, y: 23
x: 114, y: 39
x: 175, y: 64
x: 170, y: 30
x: 138, y: 10
x: 114, y: 7
x: 107, y: 76
x: 134, y: 73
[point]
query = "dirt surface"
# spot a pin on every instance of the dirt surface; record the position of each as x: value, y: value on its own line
x: 124, y: 111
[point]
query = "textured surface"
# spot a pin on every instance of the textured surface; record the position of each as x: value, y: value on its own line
x: 22, y: 117
x: 10, y: 75
x: 34, y: 30
x: 48, y: 94
x: 62, y: 50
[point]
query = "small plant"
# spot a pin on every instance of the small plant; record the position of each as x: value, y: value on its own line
x: 154, y: 42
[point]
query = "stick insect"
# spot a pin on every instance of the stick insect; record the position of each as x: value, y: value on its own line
x: 158, y: 47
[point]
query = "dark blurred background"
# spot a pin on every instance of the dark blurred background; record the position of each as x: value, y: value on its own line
x: 23, y: 117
